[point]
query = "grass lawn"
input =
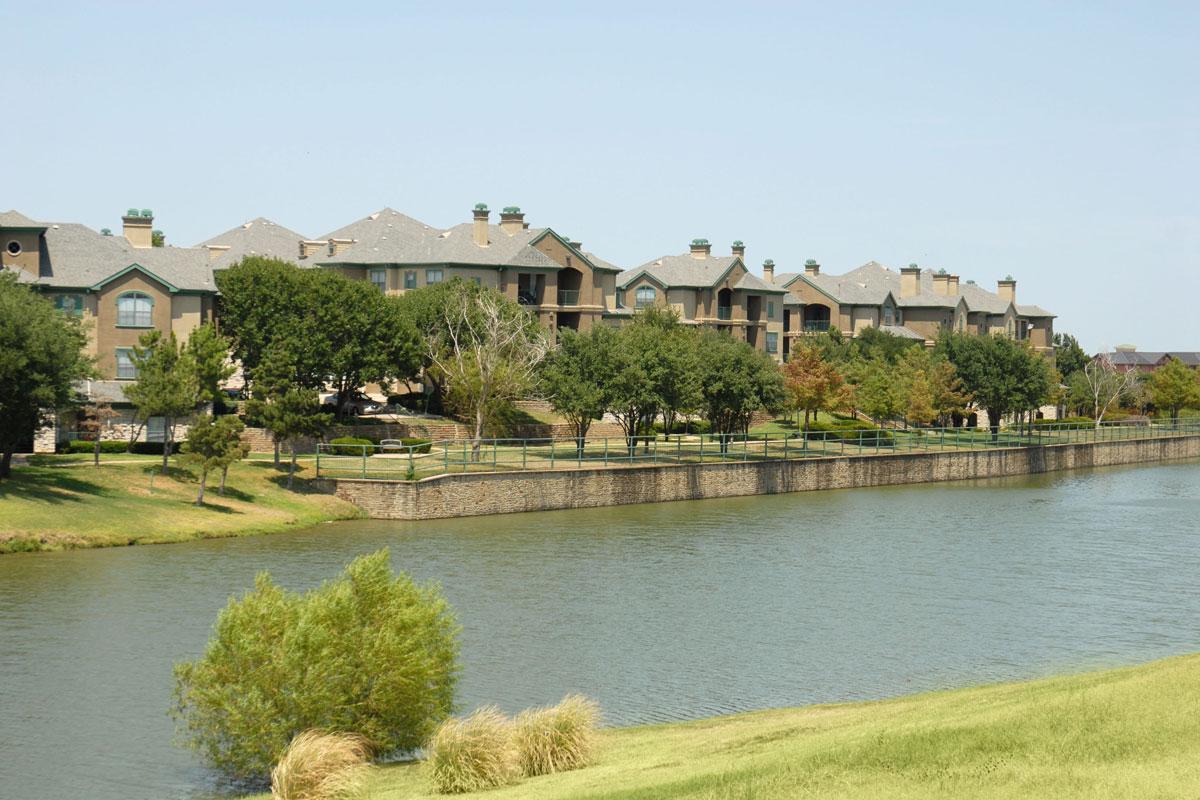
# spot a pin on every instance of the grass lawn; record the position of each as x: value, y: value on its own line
x: 1122, y: 733
x: 58, y: 503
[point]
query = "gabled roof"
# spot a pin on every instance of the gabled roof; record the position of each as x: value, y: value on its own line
x: 76, y: 256
x: 389, y: 237
x: 687, y: 272
x: 1136, y: 358
x: 902, y: 332
x: 753, y: 283
x: 1033, y: 311
x: 258, y: 237
x: 15, y: 219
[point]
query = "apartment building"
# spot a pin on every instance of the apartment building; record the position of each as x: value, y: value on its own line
x: 712, y: 291
x: 911, y: 302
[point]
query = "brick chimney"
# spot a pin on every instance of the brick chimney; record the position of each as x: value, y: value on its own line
x: 769, y: 271
x: 941, y: 282
x: 910, y: 281
x: 952, y: 285
x: 512, y: 220
x: 1007, y: 289
x: 578, y: 245
x: 701, y: 248
x: 811, y: 267
x: 479, y: 224
x: 309, y: 247
x: 739, y: 250
x: 138, y: 227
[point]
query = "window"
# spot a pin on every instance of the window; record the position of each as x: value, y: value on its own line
x: 410, y: 279
x: 889, y: 315
x: 433, y: 276
x: 772, y: 342
x: 126, y: 368
x: 378, y: 279
x: 70, y: 304
x: 644, y: 296
x: 620, y: 298
x: 770, y: 310
x: 156, y: 429
x: 134, y: 310
x: 14, y: 248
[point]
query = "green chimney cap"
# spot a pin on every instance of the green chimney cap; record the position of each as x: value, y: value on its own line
x: 942, y: 272
x: 1009, y: 278
x: 512, y: 210
x: 769, y: 263
x: 147, y: 212
x: 738, y: 243
x: 810, y: 262
x: 481, y: 207
x: 913, y: 265
x: 699, y: 241
x: 971, y: 282
x: 106, y: 231
x: 133, y: 212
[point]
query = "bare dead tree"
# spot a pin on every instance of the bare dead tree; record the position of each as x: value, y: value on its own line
x: 1106, y: 384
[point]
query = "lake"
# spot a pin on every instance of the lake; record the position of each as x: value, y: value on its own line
x: 661, y: 612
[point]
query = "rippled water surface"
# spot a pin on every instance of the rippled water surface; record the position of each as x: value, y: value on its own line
x: 661, y: 612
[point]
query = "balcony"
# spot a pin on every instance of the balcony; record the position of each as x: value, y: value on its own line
x: 816, y: 325
x: 724, y: 312
x: 568, y: 297
x: 527, y: 298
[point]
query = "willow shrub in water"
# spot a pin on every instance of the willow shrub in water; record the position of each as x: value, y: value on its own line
x: 370, y: 654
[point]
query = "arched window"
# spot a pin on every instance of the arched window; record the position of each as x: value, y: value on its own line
x: 644, y: 296
x: 135, y: 310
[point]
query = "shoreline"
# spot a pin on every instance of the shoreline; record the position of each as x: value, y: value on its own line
x: 1118, y: 732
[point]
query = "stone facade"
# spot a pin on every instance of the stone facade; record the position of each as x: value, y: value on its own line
x: 474, y: 494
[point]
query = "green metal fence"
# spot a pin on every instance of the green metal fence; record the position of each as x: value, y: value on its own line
x: 404, y: 462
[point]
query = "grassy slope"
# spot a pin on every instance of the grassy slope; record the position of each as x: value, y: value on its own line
x: 58, y: 507
x: 1117, y: 734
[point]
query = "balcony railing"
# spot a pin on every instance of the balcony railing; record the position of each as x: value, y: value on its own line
x: 526, y: 298
x: 816, y: 325
x: 568, y: 297
x: 724, y: 312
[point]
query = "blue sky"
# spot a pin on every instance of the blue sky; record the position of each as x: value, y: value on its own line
x: 1056, y: 142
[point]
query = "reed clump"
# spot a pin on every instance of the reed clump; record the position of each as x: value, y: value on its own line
x: 322, y: 766
x: 557, y: 738
x: 472, y: 753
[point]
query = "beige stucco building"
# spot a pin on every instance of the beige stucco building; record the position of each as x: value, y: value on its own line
x: 911, y: 302
x: 710, y: 291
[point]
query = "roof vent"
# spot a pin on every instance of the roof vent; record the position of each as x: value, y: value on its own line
x: 769, y: 263
x: 106, y: 231
x: 507, y: 209
x: 738, y: 243
x: 699, y: 241
x: 481, y: 207
x: 147, y: 213
x: 133, y: 212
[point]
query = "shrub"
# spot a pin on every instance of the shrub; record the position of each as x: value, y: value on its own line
x: 418, y: 445
x: 321, y: 766
x: 350, y: 446
x: 1066, y: 423
x: 369, y: 653
x: 152, y: 448
x: 106, y: 446
x: 558, y: 738
x: 850, y: 431
x: 478, y: 752
x: 680, y: 426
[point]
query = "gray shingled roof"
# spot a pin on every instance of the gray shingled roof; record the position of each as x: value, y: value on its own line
x: 690, y: 272
x: 258, y: 237
x: 1033, y: 311
x: 1132, y: 358
x: 389, y: 237
x: 902, y: 332
x: 15, y: 219
x: 77, y: 256
x: 753, y: 283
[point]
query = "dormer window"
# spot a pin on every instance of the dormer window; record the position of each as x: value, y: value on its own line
x: 135, y: 310
x: 644, y: 296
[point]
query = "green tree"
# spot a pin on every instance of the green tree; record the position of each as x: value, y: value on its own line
x: 363, y: 336
x: 41, y: 361
x: 576, y: 378
x: 1004, y: 376
x: 1174, y: 387
x: 166, y: 384
x: 881, y: 394
x: 872, y: 343
x: 208, y: 352
x: 291, y: 412
x: 1069, y: 357
x: 371, y: 653
x: 637, y: 374
x: 736, y: 380
x: 213, y: 445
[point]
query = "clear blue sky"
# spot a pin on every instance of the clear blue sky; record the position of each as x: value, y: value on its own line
x: 1057, y: 142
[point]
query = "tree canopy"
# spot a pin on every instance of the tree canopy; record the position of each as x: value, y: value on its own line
x: 1003, y: 376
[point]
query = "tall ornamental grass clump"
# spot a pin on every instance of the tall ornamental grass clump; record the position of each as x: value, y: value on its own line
x: 370, y: 653
x: 322, y: 766
x: 558, y: 738
x: 477, y: 752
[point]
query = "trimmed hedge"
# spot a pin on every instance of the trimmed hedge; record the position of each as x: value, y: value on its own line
x: 848, y: 430
x: 684, y: 427
x: 350, y: 446
x: 106, y: 446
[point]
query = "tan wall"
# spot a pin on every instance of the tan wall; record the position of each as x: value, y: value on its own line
x: 474, y: 494
x: 108, y: 336
x: 557, y: 252
x: 683, y: 301
x: 862, y: 317
x: 30, y: 254
x: 927, y: 321
x: 187, y: 313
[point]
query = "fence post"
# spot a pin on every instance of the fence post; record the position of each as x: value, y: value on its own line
x: 524, y: 453
x: 495, y: 447
x: 606, y: 451
x: 464, y: 461
x: 766, y: 454
x: 318, y: 459
x: 411, y: 469
x: 364, y: 460
x: 552, y: 453
x: 702, y: 448
x: 786, y: 439
x: 446, y: 456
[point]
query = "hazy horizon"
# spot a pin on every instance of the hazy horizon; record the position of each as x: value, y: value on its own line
x: 1057, y: 144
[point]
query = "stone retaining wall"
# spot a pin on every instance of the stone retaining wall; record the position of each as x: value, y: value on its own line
x: 474, y: 494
